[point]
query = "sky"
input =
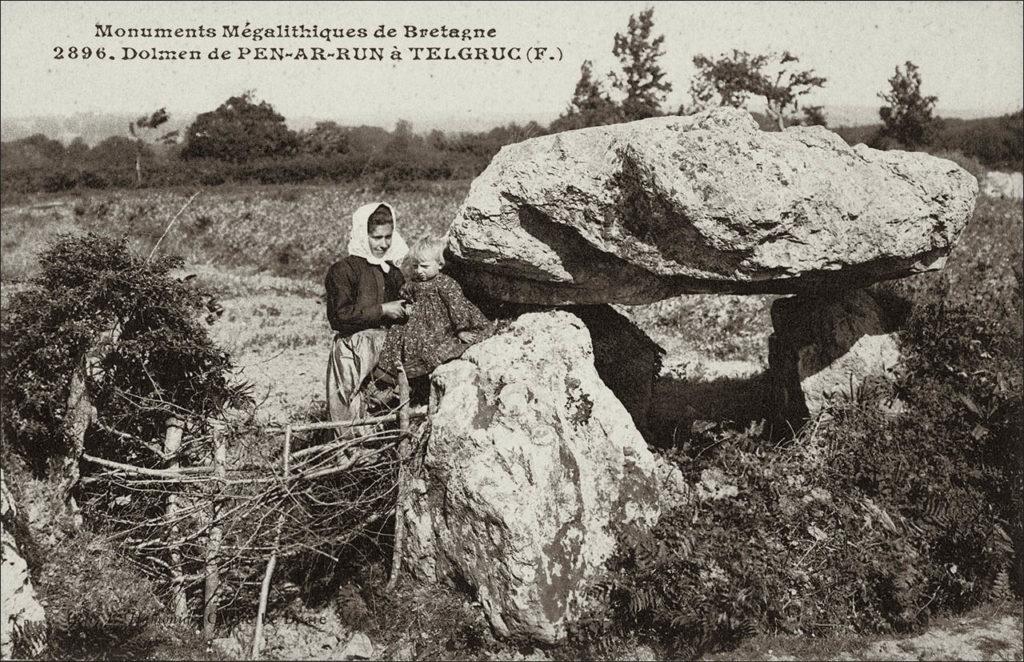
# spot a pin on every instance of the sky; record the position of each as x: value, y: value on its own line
x: 970, y: 54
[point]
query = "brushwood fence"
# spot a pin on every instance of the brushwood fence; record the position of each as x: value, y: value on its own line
x: 214, y: 531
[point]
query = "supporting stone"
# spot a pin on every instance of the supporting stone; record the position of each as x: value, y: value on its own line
x: 826, y: 347
x: 530, y: 463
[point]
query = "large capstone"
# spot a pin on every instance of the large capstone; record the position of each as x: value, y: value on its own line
x: 529, y: 464
x: 637, y: 212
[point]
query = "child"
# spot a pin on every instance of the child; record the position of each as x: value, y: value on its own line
x: 442, y: 322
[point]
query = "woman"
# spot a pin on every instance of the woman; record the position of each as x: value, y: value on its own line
x: 363, y: 300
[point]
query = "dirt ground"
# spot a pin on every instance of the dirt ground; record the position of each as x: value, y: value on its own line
x: 987, y: 633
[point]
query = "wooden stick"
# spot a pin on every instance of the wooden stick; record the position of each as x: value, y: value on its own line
x: 199, y: 474
x: 403, y: 453
x: 417, y: 412
x: 213, y: 545
x: 168, y: 228
x: 172, y: 443
x: 173, y: 472
x: 257, y: 634
x: 342, y: 443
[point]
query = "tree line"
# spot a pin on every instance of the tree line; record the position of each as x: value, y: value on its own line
x: 246, y: 140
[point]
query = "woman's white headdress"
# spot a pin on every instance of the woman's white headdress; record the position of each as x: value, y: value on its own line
x: 359, y: 243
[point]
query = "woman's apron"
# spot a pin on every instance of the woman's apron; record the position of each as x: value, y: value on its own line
x: 351, y: 362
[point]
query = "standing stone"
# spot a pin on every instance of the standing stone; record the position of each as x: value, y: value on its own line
x: 626, y: 358
x: 18, y: 604
x: 529, y: 463
x: 824, y: 348
x: 637, y: 212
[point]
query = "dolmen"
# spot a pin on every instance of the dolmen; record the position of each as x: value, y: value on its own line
x: 534, y: 455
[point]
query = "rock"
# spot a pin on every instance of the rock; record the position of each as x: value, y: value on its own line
x: 529, y: 463
x: 715, y: 485
x: 1004, y: 185
x: 636, y: 212
x: 20, y: 610
x: 358, y: 647
x: 673, y: 488
x: 229, y: 647
x: 826, y: 347
x: 627, y: 360
x: 296, y: 632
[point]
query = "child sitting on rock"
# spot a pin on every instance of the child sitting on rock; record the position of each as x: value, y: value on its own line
x: 442, y: 324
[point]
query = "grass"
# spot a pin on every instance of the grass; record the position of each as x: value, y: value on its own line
x: 24, y: 233
x: 286, y: 231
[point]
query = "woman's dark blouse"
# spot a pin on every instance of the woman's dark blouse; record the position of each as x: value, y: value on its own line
x: 355, y: 291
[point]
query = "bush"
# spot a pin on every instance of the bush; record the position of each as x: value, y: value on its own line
x: 153, y: 356
x: 970, y: 164
x: 99, y: 607
x: 867, y: 521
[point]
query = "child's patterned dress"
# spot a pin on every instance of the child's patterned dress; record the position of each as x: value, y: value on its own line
x: 439, y: 312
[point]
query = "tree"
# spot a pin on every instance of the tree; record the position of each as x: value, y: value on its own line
x: 908, y: 116
x: 240, y: 130
x: 784, y: 91
x: 142, y: 130
x: 727, y: 81
x: 641, y: 82
x: 324, y: 138
x: 590, y: 106
x: 77, y: 150
x: 35, y: 151
x: 436, y: 140
x: 137, y: 327
x: 403, y: 139
x: 814, y: 116
x: 642, y: 79
x: 115, y: 153
x: 732, y: 79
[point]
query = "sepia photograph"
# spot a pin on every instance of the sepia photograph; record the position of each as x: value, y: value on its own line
x: 534, y: 331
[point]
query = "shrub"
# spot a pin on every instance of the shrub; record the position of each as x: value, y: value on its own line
x: 155, y: 359
x: 99, y: 607
x: 968, y: 163
x: 866, y: 521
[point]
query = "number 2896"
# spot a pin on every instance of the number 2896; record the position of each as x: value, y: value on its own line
x: 76, y: 53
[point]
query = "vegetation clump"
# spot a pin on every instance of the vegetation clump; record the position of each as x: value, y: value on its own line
x: 134, y: 331
x: 904, y: 503
x: 133, y: 338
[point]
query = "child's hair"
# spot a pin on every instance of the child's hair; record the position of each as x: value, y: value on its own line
x: 427, y: 249
x: 379, y: 216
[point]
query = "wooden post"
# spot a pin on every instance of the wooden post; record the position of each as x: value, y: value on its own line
x: 403, y: 478
x: 257, y: 632
x: 172, y: 444
x: 213, y: 545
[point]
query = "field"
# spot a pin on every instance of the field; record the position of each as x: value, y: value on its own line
x: 262, y: 252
